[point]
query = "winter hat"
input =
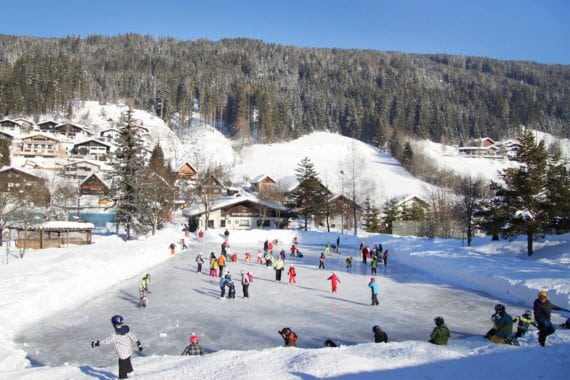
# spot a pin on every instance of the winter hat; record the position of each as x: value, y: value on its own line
x: 375, y: 328
x: 242, y: 272
x: 527, y: 313
x: 372, y: 279
x: 194, y: 338
x: 543, y: 293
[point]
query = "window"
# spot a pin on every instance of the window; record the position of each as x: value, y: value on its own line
x: 244, y: 223
x: 210, y: 223
x: 222, y: 223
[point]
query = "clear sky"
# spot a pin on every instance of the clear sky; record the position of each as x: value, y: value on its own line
x: 535, y: 30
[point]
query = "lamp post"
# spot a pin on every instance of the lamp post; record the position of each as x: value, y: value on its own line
x: 341, y: 202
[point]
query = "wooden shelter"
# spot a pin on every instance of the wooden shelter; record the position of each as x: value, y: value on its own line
x: 52, y: 234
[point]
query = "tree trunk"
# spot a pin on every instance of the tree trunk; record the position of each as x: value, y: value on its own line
x: 529, y: 236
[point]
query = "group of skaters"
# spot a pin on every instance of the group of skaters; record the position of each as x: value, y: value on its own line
x: 375, y: 254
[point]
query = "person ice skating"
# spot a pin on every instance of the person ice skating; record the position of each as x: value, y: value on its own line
x: 440, y: 333
x: 330, y: 343
x: 247, y: 257
x: 245, y: 284
x: 213, y: 265
x: 199, y: 262
x: 172, y: 247
x: 200, y: 236
x: 364, y: 251
x: 523, y: 323
x: 502, y: 327
x: 221, y: 264
x: 142, y: 296
x: 224, y: 248
x: 385, y: 257
x: 322, y: 260
x: 338, y: 244
x: 279, y: 265
x: 289, y: 336
x: 145, y: 282
x: 374, y: 288
x: 542, y: 310
x: 328, y: 248
x: 122, y: 339
x: 295, y: 240
x: 183, y: 245
x: 194, y: 347
x: 374, y: 265
x: 293, y: 250
x: 226, y: 234
x: 379, y: 335
x: 334, y: 281
x: 348, y: 263
x: 250, y: 277
x: 292, y: 274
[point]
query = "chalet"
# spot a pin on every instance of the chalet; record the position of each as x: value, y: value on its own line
x: 72, y: 131
x: 262, y: 183
x: 7, y: 136
x: 26, y: 125
x: 487, y: 141
x: 47, y: 126
x: 491, y: 151
x: 80, y: 170
x: 40, y: 145
x: 92, y: 149
x: 409, y: 202
x: 342, y: 212
x: 110, y: 135
x: 10, y: 125
x: 186, y: 172
x: 18, y: 181
x: 409, y: 215
x: 94, y: 185
x: 212, y: 188
x: 242, y: 211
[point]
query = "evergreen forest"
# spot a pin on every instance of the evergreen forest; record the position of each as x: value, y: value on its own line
x: 267, y: 92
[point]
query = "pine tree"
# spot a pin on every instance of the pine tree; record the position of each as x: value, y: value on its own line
x: 522, y: 197
x: 371, y: 216
x: 129, y: 166
x: 309, y: 195
x: 558, y: 196
x: 4, y: 152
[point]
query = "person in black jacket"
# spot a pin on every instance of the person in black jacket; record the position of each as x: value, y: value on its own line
x: 379, y: 335
x: 542, y: 310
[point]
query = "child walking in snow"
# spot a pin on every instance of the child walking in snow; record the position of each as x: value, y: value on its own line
x: 199, y: 262
x: 292, y: 274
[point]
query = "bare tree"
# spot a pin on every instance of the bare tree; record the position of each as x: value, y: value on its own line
x: 357, y: 185
x: 471, y: 191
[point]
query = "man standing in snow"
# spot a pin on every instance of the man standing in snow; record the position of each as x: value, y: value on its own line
x: 542, y: 310
x: 121, y: 338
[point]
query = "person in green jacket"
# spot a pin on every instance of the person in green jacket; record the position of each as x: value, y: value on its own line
x: 440, y: 333
x: 374, y: 265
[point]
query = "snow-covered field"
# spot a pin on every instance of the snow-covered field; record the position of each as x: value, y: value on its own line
x: 55, y: 301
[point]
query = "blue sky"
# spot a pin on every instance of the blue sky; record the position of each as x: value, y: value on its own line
x: 536, y: 30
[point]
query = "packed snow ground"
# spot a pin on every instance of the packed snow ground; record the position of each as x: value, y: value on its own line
x: 55, y: 301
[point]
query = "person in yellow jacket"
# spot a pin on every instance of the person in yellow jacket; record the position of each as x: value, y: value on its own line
x: 279, y: 265
x: 221, y: 264
x: 213, y: 265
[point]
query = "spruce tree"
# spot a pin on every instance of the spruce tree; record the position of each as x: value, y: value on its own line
x: 309, y: 196
x: 521, y: 197
x: 129, y: 166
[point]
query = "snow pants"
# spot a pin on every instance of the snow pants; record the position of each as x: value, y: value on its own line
x: 125, y: 367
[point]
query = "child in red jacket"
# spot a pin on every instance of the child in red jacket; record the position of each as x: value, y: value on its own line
x: 292, y: 274
x: 334, y: 281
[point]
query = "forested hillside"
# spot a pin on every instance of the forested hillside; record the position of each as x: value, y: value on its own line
x: 273, y: 92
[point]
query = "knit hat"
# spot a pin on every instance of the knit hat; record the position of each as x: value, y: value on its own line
x: 194, y: 338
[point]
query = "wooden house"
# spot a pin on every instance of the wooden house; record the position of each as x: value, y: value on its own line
x: 186, y: 172
x: 92, y: 149
x: 262, y: 183
x: 40, y: 145
x: 94, y: 185
x: 52, y: 234
x: 72, y: 131
x: 79, y: 170
x: 47, y: 126
x: 21, y: 182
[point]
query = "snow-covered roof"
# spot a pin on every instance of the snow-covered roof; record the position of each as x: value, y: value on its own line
x: 60, y: 225
x: 230, y: 201
x: 99, y: 142
x: 260, y: 178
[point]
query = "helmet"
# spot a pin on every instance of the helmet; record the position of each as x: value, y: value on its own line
x: 117, y: 320
x: 439, y: 321
x: 372, y: 279
x: 526, y: 312
x: 285, y: 330
x: 500, y: 309
x: 194, y: 338
x: 376, y: 327
x: 543, y: 293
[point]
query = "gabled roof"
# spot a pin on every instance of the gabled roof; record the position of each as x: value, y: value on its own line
x: 185, y: 164
x: 98, y: 163
x: 10, y: 121
x: 98, y: 142
x: 50, y: 122
x: 260, y: 178
x: 78, y: 126
x: 49, y: 137
x: 233, y: 200
x: 95, y: 175
x: 400, y: 200
x: 23, y: 171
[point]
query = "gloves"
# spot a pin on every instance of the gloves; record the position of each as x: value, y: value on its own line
x: 139, y: 345
x: 94, y: 343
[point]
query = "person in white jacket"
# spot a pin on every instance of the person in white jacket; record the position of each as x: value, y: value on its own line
x: 123, y: 339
